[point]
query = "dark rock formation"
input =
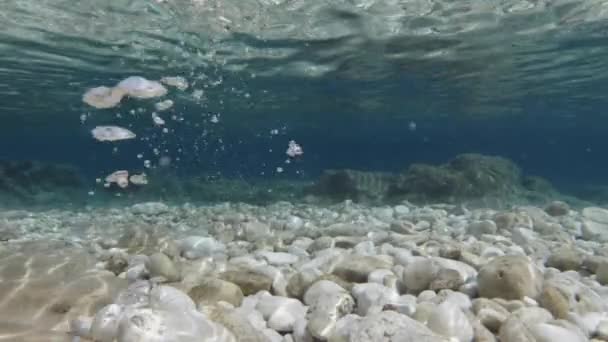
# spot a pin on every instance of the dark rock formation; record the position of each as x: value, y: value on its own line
x: 466, y: 177
x: 355, y: 185
x: 32, y: 182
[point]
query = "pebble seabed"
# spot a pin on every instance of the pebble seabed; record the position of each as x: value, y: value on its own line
x: 291, y: 272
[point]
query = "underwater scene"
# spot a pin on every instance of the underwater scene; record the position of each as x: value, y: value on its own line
x: 304, y: 170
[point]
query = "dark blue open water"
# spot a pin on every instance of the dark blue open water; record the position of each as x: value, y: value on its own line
x: 347, y: 81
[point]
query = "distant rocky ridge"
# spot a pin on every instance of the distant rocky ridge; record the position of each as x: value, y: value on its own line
x: 30, y: 182
x: 466, y: 177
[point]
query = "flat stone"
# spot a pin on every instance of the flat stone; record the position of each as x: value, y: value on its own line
x: 557, y: 208
x: 391, y: 326
x: 554, y: 301
x: 356, y: 268
x: 565, y: 259
x: 602, y: 273
x: 479, y: 228
x: 595, y: 224
x: 149, y: 208
x: 160, y: 265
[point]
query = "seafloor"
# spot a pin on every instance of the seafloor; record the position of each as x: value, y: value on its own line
x: 472, y: 250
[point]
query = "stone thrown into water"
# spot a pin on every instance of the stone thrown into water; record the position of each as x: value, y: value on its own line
x: 112, y: 133
x: 163, y: 105
x: 103, y: 97
x: 141, y: 88
x: 175, y: 81
x: 120, y: 177
x: 139, y: 179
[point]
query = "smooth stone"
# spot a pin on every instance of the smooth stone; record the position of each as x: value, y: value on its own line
x: 118, y: 262
x: 406, y: 305
x: 593, y: 262
x: 294, y: 223
x: 557, y: 208
x: 556, y: 302
x: 491, y: 252
x: 356, y: 268
x: 81, y: 327
x: 602, y: 330
x: 280, y: 313
x: 245, y: 323
x: 508, y: 220
x: 565, y: 259
x: 327, y: 303
x: 255, y: 231
x: 450, y: 252
x: 587, y: 323
x: 379, y: 276
x: 595, y: 224
x: 386, y: 326
x: 149, y: 208
x: 545, y: 332
x: 602, y: 273
x: 279, y: 282
x: 418, y: 274
x: 249, y: 281
x: 481, y: 333
x: 448, y: 320
x: 299, y: 282
x: 213, y: 290
x: 466, y: 271
x: 277, y: 258
x: 596, y: 214
x: 581, y: 298
x: 372, y: 297
x: 159, y: 265
x: 345, y: 229
x: 424, y: 311
x: 458, y: 299
x: 104, y: 327
x: 492, y: 319
x: 169, y: 298
x: 446, y: 279
x: 479, y: 228
x: 195, y: 247
x: 365, y: 248
x: 426, y: 296
x: 517, y: 327
x: 509, y: 277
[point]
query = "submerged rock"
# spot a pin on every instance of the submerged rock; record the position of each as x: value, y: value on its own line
x: 352, y: 184
x: 466, y: 177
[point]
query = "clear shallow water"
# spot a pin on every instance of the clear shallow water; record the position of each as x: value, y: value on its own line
x: 520, y: 79
x: 368, y: 85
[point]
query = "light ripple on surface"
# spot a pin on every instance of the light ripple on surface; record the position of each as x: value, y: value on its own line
x: 498, y: 51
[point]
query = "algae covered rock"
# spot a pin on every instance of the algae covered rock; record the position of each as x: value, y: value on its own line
x: 352, y: 184
x: 467, y: 176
